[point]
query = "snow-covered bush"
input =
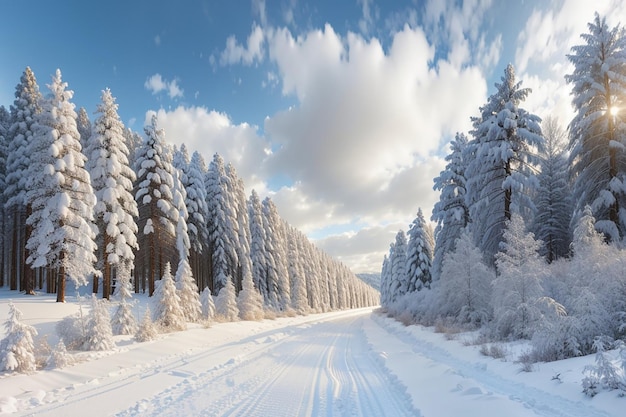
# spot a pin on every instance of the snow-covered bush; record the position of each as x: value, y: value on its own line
x: 17, y: 348
x: 123, y: 321
x: 167, y: 312
x: 59, y: 357
x: 99, y: 335
x: 72, y: 330
x: 466, y: 284
x: 226, y: 303
x: 208, y: 305
x: 606, y: 374
x: 553, y: 340
x: 250, y: 301
x: 146, y: 330
x: 187, y: 290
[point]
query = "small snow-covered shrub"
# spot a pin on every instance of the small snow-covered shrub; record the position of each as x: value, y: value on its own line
x: 72, y: 331
x: 606, y: 374
x: 59, y: 357
x: 495, y: 351
x: 554, y: 340
x: 146, y: 330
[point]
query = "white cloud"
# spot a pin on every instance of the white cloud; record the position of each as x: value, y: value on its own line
x: 208, y: 132
x: 367, y: 19
x: 156, y: 84
x: 157, y: 40
x: 236, y: 53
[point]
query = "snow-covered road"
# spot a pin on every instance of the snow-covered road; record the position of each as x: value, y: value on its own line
x: 351, y: 363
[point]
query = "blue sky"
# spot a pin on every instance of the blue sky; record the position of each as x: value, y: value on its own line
x: 341, y: 111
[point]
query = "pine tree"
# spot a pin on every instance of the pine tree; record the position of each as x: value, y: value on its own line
x: 257, y: 245
x: 197, y: 222
x: 397, y: 258
x: 157, y: 215
x: 59, y: 357
x: 99, y: 330
x: 208, y: 305
x: 17, y: 348
x: 112, y: 181
x: 553, y: 199
x: 500, y: 171
x: 223, y: 235
x: 249, y: 301
x: 466, y: 283
x: 5, y: 124
x: 167, y: 314
x: 297, y: 281
x: 597, y: 130
x: 226, y: 303
x: 517, y: 288
x: 147, y: 330
x: 24, y: 114
x: 418, y: 256
x: 450, y: 212
x: 385, y: 283
x: 60, y: 194
x: 275, y: 257
x: 83, y: 124
x: 124, y: 321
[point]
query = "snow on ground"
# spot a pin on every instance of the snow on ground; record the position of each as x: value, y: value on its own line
x: 351, y: 363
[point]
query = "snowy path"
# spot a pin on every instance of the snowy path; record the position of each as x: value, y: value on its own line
x: 352, y: 363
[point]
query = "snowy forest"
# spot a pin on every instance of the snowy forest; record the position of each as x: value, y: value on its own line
x: 94, y: 203
x: 531, y: 221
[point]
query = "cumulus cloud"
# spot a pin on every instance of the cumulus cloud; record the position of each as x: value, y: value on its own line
x: 156, y: 84
x: 209, y: 131
x: 236, y: 53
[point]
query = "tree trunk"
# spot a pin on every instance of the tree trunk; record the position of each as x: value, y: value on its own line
x: 61, y: 280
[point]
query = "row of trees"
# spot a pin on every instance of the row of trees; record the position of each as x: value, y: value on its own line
x: 95, y: 202
x: 530, y: 232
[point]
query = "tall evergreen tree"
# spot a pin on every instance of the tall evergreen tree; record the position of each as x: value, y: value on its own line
x: 397, y: 259
x: 5, y: 124
x: 450, y: 212
x: 276, y: 257
x: 419, y: 254
x: 223, y: 236
x: 197, y: 222
x: 24, y: 114
x: 597, y: 131
x: 60, y: 194
x: 257, y: 245
x: 112, y: 181
x: 500, y: 172
x: 553, y: 199
x: 157, y: 214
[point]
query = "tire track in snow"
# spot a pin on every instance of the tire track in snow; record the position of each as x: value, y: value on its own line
x: 323, y: 370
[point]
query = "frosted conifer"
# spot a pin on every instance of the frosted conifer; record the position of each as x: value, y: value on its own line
x: 17, y: 348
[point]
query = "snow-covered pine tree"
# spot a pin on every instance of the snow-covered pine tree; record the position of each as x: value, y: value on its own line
x: 112, y: 181
x: 157, y: 214
x: 99, y: 330
x: 385, y: 282
x: 597, y: 130
x: 466, y: 284
x: 450, y: 212
x: 167, y: 313
x: 17, y: 348
x: 24, y: 114
x: 517, y: 288
x: 223, y: 235
x: 249, y: 301
x: 276, y: 256
x: 397, y: 259
x: 240, y: 212
x: 60, y: 194
x: 297, y: 281
x: 5, y: 124
x: 123, y: 321
x: 208, y: 305
x: 418, y: 256
x: 59, y: 357
x: 83, y: 124
x: 133, y: 142
x: 197, y: 222
x: 500, y: 171
x: 146, y: 330
x: 226, y: 302
x: 553, y: 199
x: 257, y: 245
x: 186, y: 286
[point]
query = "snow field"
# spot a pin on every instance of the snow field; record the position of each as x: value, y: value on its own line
x: 349, y: 363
